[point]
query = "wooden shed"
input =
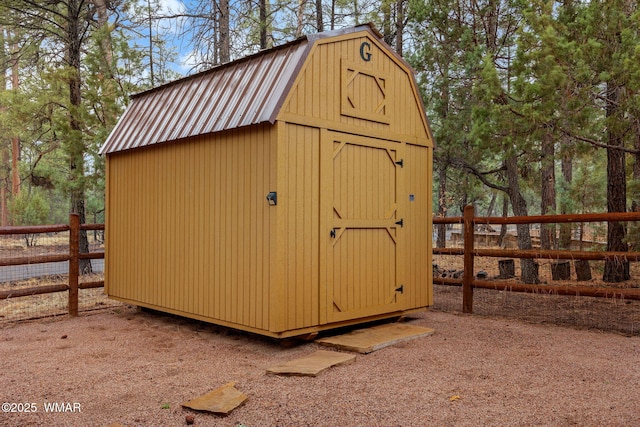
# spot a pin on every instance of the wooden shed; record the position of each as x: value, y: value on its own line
x: 284, y: 193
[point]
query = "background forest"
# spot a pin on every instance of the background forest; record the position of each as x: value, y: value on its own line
x: 533, y: 104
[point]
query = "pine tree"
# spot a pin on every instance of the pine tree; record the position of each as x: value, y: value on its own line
x: 71, y: 96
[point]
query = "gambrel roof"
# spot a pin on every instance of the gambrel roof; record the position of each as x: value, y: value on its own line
x: 241, y: 93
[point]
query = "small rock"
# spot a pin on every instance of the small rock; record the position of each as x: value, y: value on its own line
x: 64, y: 337
x: 190, y: 419
x: 482, y: 274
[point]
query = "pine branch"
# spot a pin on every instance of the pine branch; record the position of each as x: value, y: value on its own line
x: 597, y: 143
x: 481, y: 175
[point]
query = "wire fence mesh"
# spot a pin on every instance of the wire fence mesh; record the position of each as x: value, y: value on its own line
x: 14, y: 278
x: 607, y: 314
x: 613, y: 314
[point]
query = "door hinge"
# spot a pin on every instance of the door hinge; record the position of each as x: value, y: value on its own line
x: 400, y: 163
x: 400, y: 223
x: 400, y: 289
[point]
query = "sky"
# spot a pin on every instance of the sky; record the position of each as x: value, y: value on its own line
x: 168, y: 7
x: 171, y: 32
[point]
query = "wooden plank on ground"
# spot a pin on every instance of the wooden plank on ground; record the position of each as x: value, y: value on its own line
x: 313, y: 364
x: 220, y: 401
x: 374, y: 338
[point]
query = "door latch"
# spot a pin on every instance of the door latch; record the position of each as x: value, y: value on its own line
x: 400, y: 289
x: 332, y: 233
x: 400, y: 223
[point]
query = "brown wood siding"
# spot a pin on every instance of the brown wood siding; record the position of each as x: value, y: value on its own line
x: 189, y: 226
x: 418, y: 227
x: 362, y: 241
x: 299, y: 205
x: 318, y: 93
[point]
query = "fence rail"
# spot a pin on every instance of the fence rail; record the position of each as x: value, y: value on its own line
x: 73, y: 257
x: 468, y: 252
x: 469, y: 282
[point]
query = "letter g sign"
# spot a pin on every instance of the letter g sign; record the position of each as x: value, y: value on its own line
x: 365, y: 51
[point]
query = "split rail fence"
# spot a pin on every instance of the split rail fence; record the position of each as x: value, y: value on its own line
x: 469, y: 252
x: 73, y: 257
x: 468, y: 280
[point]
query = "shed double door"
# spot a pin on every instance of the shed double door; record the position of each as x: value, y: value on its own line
x: 362, y: 226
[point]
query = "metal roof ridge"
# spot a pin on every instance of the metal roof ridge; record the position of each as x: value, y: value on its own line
x: 308, y: 37
x: 217, y: 68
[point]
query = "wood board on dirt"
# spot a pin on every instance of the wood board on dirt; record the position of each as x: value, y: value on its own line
x: 220, y: 401
x: 312, y: 364
x: 374, y: 338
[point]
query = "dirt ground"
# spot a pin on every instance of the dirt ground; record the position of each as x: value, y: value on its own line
x: 510, y: 364
x: 136, y: 368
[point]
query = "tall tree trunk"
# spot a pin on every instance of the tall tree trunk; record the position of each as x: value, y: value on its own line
x: 566, y: 230
x: 224, y: 33
x: 15, y: 141
x: 12, y: 164
x: 215, y: 36
x: 489, y: 213
x: 15, y: 166
x: 615, y: 270
x: 107, y: 74
x: 263, y: 24
x: 491, y: 22
x: 4, y: 184
x: 105, y: 42
x: 319, y: 17
x: 300, y: 17
x: 356, y: 13
x: 567, y: 175
x: 492, y: 203
x: 386, y: 22
x: 76, y: 148
x: 635, y: 203
x: 332, y: 19
x: 150, y: 40
x: 548, y: 191
x: 441, y: 240
x: 4, y: 208
x: 4, y: 150
x: 528, y: 268
x: 400, y: 27
x: 636, y: 165
x: 505, y: 213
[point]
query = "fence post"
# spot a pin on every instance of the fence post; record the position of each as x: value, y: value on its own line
x: 467, y: 276
x: 74, y: 262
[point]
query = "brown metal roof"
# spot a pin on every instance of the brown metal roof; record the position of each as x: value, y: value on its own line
x: 240, y: 93
x: 245, y: 92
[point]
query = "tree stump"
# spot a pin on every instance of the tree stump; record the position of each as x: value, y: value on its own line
x: 507, y: 268
x: 561, y: 270
x: 583, y: 270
